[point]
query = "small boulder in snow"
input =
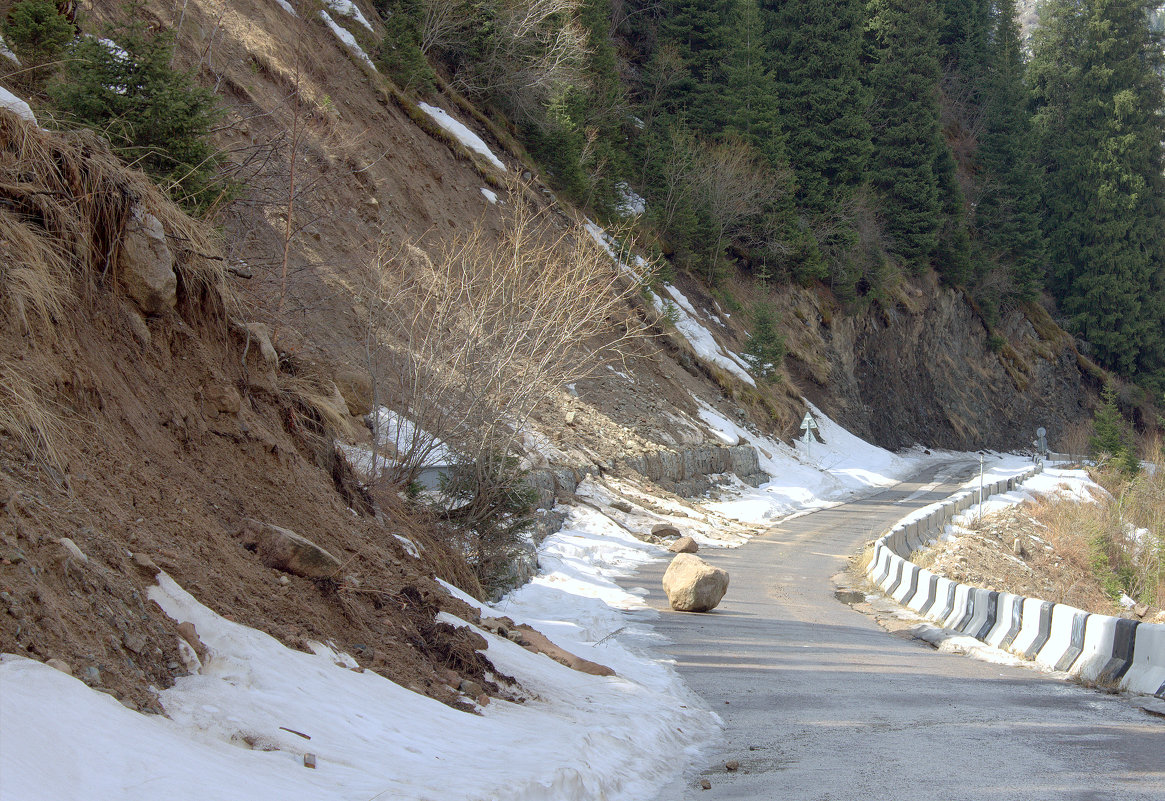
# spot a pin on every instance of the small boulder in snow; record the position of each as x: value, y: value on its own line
x: 693, y: 585
x: 283, y: 549
x: 684, y: 545
x: 665, y: 531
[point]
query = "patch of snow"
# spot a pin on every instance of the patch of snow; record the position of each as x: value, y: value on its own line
x: 1127, y: 602
x: 346, y: 8
x: 722, y: 428
x: 117, y: 50
x: 461, y: 133
x: 607, y: 242
x: 348, y: 39
x: 404, y: 437
x: 630, y: 204
x: 490, y: 195
x: 16, y: 105
x: 286, y: 6
x: 701, y: 339
x: 7, y: 52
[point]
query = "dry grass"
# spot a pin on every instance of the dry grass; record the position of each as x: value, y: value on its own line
x: 1120, y: 540
x: 30, y: 415
x: 468, y: 340
x: 65, y: 201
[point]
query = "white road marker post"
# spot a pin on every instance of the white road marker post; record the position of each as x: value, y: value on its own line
x: 808, y: 424
x: 980, y: 490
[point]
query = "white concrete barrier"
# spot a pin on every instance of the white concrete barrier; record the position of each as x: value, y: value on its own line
x: 1146, y: 674
x: 1008, y: 619
x: 1065, y: 640
x: 1111, y: 652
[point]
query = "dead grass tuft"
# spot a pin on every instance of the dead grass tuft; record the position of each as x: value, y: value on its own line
x: 28, y: 414
x: 65, y: 201
x: 1120, y: 540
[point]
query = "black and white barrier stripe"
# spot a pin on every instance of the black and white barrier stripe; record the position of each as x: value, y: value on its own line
x: 1108, y: 651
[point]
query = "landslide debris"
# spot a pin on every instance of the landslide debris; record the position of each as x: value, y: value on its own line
x: 145, y: 431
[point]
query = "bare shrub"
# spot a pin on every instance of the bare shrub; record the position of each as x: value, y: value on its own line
x: 467, y: 341
x: 525, y: 52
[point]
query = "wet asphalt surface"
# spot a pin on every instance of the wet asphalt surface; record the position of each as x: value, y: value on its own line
x: 819, y: 702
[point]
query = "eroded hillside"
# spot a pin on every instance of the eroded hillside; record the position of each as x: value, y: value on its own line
x: 150, y: 435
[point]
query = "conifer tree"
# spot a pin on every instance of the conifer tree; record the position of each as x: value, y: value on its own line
x: 1007, y: 218
x: 1098, y: 84
x: 904, y: 82
x: 700, y: 33
x: 816, y: 47
x: 964, y: 38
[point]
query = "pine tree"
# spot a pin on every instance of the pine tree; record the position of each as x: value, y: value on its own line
x: 749, y: 91
x: 1099, y: 87
x: 700, y: 32
x: 964, y: 38
x: 765, y: 351
x: 1007, y: 217
x: 1111, y: 436
x: 905, y: 109
x: 154, y: 116
x: 816, y: 48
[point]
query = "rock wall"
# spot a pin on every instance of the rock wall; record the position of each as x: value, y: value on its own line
x: 685, y: 472
x: 923, y: 372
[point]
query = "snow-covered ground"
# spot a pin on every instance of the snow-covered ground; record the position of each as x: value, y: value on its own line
x: 577, y: 737
x: 461, y: 133
x: 347, y: 38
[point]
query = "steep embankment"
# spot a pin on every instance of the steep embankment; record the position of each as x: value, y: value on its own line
x: 335, y: 162
x: 145, y: 428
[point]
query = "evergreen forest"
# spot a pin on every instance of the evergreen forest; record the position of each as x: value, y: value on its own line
x: 855, y: 144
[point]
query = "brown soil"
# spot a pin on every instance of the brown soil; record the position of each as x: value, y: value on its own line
x: 149, y: 466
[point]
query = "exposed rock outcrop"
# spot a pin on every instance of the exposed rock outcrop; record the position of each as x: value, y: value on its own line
x: 146, y: 265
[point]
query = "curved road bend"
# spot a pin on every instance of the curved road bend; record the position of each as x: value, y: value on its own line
x: 820, y: 703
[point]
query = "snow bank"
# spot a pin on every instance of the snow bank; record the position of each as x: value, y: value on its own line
x: 7, y: 52
x: 579, y: 737
x: 16, y: 105
x: 346, y: 8
x: 831, y: 472
x: 489, y: 195
x: 630, y: 203
x: 286, y: 6
x: 404, y: 437
x: 699, y: 337
x: 462, y: 134
x: 348, y: 39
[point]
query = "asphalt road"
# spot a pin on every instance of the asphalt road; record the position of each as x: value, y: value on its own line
x: 821, y: 703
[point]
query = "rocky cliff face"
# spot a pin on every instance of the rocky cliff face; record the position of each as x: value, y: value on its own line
x: 925, y: 371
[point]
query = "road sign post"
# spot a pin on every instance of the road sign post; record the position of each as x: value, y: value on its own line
x: 808, y: 425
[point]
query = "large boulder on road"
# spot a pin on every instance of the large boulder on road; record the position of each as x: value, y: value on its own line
x: 693, y: 585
